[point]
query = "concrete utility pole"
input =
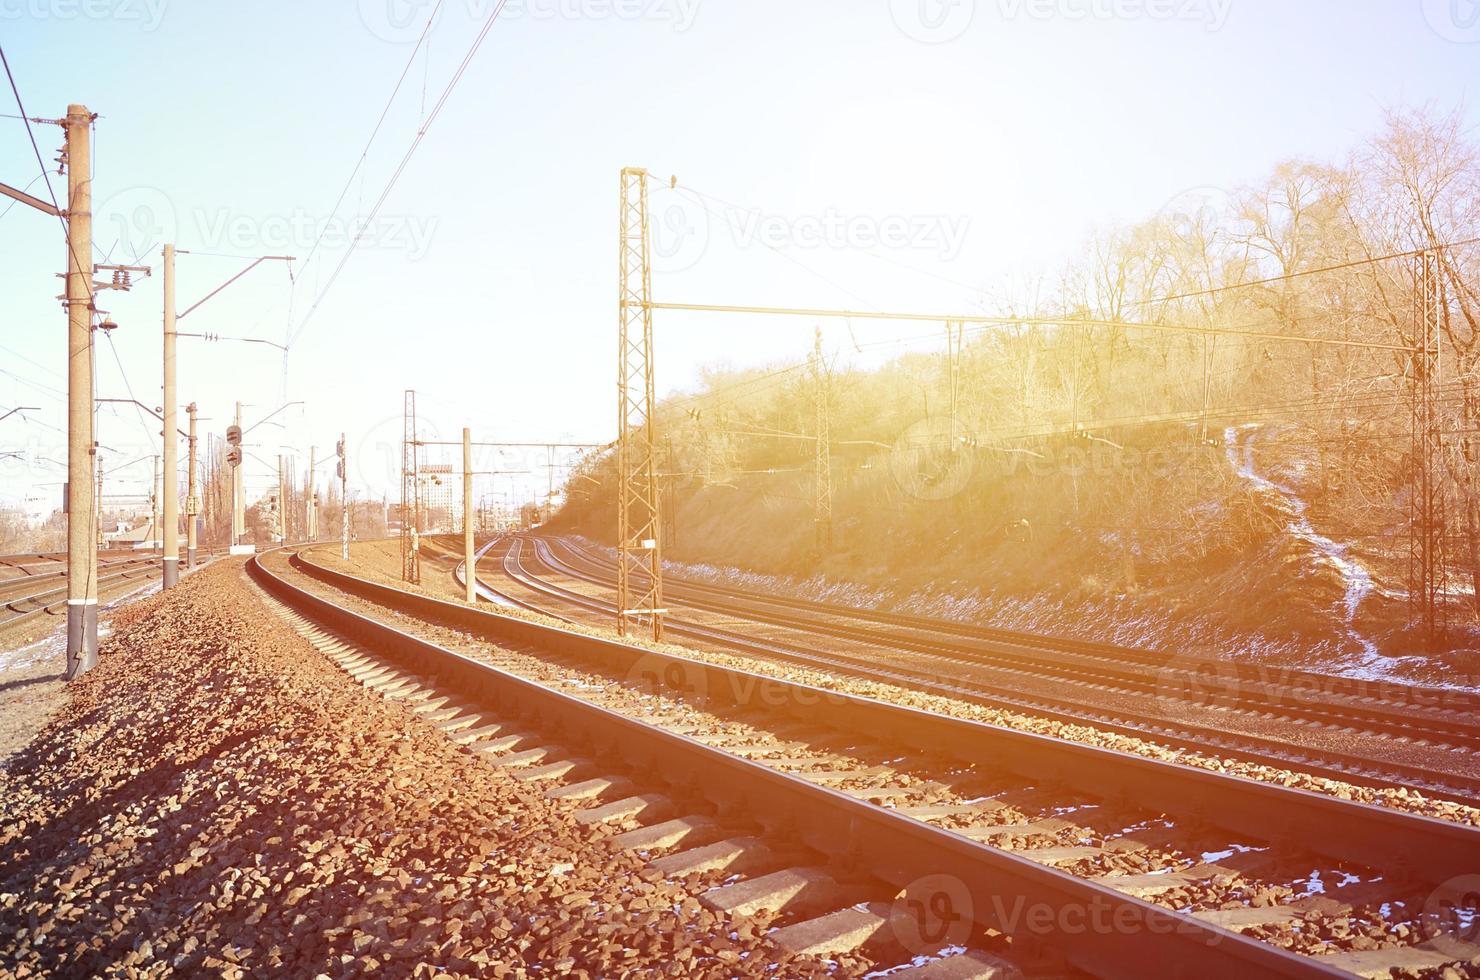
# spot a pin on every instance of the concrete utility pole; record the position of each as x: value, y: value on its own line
x: 98, y: 511
x: 192, y: 501
x: 343, y: 499
x: 310, y: 517
x: 82, y: 548
x: 154, y: 506
x: 822, y: 459
x: 471, y: 593
x: 238, y: 516
x: 171, y: 537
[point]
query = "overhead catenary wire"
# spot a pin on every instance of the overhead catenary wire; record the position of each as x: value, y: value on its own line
x: 1286, y: 277
x: 364, y: 153
x: 400, y: 169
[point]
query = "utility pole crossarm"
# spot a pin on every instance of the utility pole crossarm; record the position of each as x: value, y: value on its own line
x: 255, y: 262
x: 34, y: 202
x: 135, y: 401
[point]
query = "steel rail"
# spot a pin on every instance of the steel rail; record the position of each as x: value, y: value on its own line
x: 1105, y: 931
x: 1360, y: 833
x: 30, y: 579
x: 1361, y: 698
x: 1343, y: 767
x: 51, y: 600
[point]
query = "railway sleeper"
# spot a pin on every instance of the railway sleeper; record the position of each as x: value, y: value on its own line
x: 821, y: 914
x: 1029, y: 816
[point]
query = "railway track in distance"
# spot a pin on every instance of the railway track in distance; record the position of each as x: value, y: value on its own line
x: 1189, y: 717
x: 921, y: 806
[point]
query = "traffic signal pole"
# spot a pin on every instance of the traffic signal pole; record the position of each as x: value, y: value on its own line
x: 82, y: 547
x: 171, y: 539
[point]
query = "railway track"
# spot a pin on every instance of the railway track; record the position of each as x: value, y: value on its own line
x: 1451, y: 717
x: 29, y: 563
x: 1378, y: 697
x: 41, y: 589
x: 51, y: 600
x: 878, y: 820
x: 1194, y: 723
x: 56, y: 571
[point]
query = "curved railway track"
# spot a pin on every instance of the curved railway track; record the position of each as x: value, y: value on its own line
x: 41, y: 588
x: 947, y: 674
x: 23, y: 601
x: 871, y: 808
x: 1451, y: 718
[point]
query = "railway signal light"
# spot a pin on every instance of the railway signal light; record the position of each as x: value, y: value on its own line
x: 234, y: 437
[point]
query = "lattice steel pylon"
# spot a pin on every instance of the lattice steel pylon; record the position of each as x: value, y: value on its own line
x: 410, y: 494
x: 1426, y: 524
x: 822, y: 488
x: 639, y: 544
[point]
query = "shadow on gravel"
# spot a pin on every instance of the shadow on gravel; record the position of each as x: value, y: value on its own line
x: 28, y: 681
x: 64, y: 828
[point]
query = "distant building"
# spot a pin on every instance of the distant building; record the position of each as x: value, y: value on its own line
x: 141, y: 538
x: 437, y: 485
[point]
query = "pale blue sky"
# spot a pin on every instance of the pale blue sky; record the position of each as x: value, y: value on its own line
x: 998, y: 141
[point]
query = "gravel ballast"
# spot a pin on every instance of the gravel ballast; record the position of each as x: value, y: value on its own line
x: 216, y: 798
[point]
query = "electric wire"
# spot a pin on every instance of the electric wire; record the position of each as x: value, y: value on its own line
x: 396, y: 176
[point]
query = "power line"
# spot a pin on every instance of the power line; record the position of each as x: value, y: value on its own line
x: 396, y: 176
x: 1370, y: 260
x: 34, y: 147
x: 364, y: 153
x: 44, y: 389
x: 702, y: 197
x: 138, y: 409
x: 26, y: 188
x: 14, y: 353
